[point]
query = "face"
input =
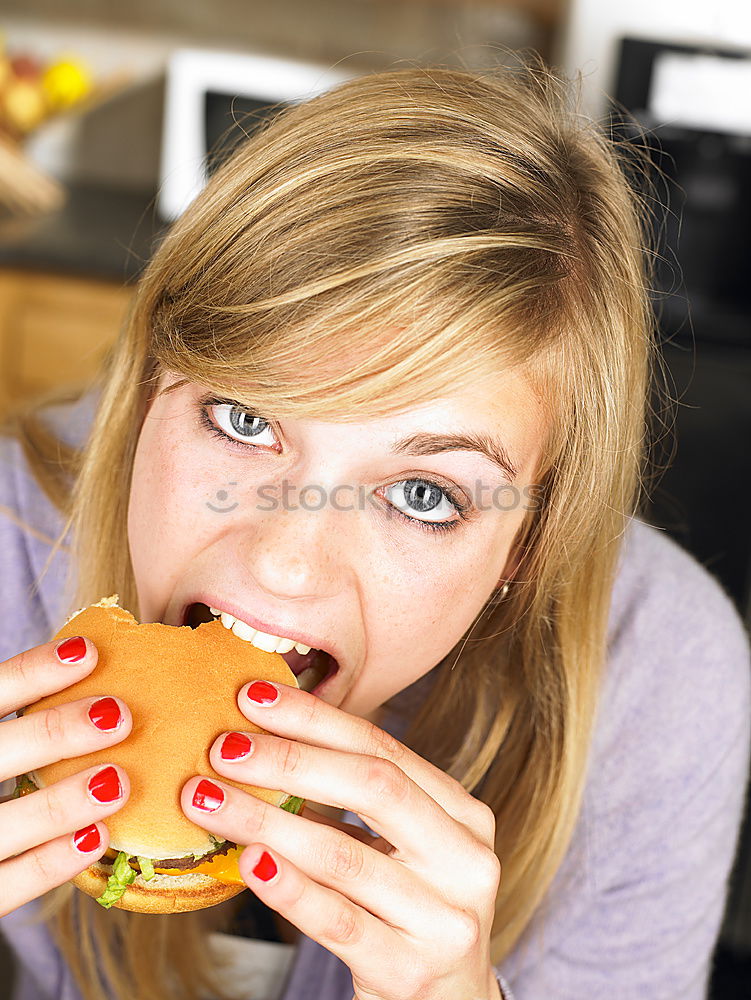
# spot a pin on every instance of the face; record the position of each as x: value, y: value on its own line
x: 322, y: 530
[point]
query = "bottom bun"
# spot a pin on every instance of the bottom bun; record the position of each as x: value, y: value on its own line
x: 162, y: 893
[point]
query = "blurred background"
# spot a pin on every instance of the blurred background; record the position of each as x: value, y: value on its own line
x: 107, y: 112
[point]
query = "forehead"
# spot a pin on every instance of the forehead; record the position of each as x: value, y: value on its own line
x: 505, y: 404
x: 505, y: 407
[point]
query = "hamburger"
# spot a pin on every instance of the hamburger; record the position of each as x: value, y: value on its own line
x: 181, y: 685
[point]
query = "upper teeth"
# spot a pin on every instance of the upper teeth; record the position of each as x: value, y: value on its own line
x: 261, y: 640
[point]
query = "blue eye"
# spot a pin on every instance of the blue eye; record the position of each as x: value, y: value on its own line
x: 428, y: 499
x: 250, y: 428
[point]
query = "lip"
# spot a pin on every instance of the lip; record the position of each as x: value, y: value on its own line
x: 282, y: 631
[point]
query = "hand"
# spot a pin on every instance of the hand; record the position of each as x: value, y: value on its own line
x: 408, y: 911
x: 50, y: 835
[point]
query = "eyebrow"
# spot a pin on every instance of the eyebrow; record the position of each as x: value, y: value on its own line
x: 424, y: 443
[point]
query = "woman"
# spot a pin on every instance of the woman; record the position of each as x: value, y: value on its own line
x: 530, y: 678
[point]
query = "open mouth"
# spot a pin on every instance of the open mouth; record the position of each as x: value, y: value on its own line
x: 311, y: 669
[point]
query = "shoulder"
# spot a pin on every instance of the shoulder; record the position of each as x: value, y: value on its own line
x: 28, y: 523
x: 675, y: 710
x: 673, y: 629
x: 29, y: 526
x: 659, y: 585
x: 636, y: 906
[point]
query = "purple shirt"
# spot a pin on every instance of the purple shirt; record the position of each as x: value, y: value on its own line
x: 636, y: 907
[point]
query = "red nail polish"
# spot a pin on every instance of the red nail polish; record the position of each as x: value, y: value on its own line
x: 263, y: 693
x: 235, y: 746
x: 105, y: 785
x: 71, y: 650
x: 87, y: 839
x: 207, y: 795
x: 265, y: 868
x: 105, y: 714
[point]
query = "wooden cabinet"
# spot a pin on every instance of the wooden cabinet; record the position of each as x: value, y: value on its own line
x: 54, y: 330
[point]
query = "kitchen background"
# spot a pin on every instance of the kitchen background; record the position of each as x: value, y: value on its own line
x: 99, y: 105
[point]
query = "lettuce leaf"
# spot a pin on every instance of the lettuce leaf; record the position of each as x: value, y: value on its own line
x: 147, y: 868
x: 24, y: 785
x: 293, y: 804
x: 121, y: 877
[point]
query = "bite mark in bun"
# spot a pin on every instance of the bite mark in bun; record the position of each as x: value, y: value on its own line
x: 180, y: 684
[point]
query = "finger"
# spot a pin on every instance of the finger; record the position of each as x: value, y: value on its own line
x: 377, y: 843
x: 329, y: 856
x: 67, y: 805
x: 303, y: 717
x: 376, y: 789
x: 28, y: 676
x: 355, y: 936
x: 69, y: 730
x: 46, y: 866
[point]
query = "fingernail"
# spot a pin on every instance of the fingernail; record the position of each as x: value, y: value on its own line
x: 87, y: 839
x: 262, y: 693
x: 105, y: 785
x: 265, y: 868
x: 235, y: 746
x: 207, y: 796
x: 71, y: 650
x: 105, y: 714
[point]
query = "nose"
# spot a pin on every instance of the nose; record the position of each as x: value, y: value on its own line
x: 294, y: 551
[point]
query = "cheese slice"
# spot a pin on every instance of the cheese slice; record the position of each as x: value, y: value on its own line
x: 222, y: 867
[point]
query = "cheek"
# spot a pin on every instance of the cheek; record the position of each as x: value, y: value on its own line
x: 163, y: 500
x: 419, y: 616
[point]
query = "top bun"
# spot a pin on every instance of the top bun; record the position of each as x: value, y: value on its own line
x: 181, y: 687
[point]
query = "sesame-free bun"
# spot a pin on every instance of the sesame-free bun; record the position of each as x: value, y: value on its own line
x: 181, y: 686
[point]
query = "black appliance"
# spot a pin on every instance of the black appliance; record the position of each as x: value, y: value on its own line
x: 679, y: 103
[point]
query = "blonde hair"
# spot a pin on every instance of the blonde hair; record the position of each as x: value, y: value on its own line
x: 365, y: 251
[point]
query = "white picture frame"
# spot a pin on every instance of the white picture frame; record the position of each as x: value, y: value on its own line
x: 191, y: 73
